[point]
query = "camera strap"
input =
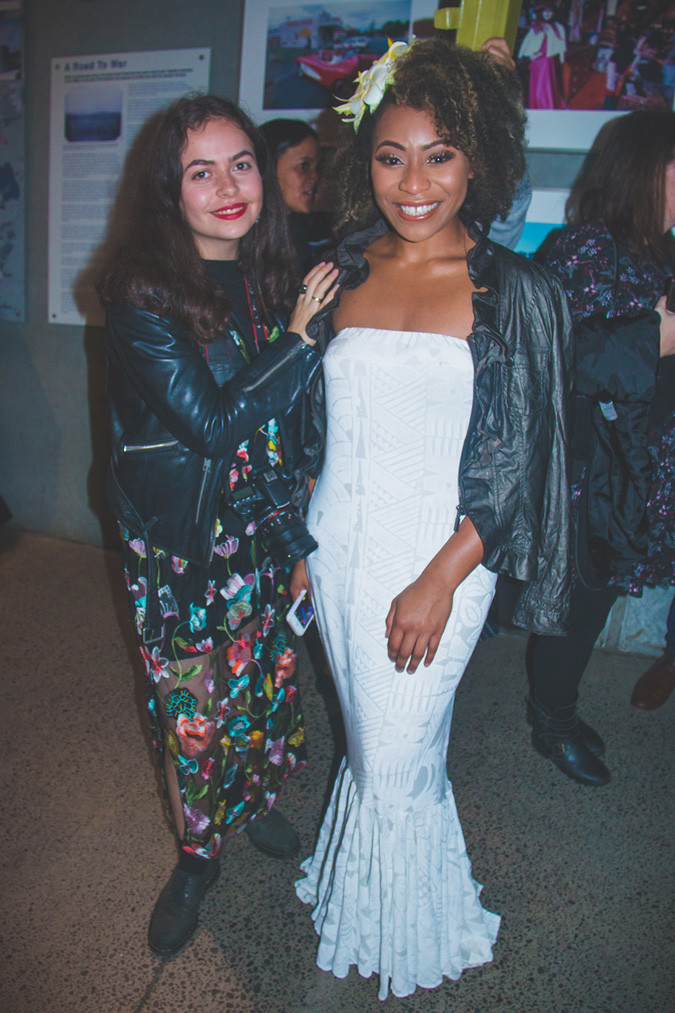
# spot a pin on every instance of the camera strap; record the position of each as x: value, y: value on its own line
x: 260, y: 331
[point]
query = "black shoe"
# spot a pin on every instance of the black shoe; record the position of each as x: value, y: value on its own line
x: 177, y: 909
x: 273, y: 834
x: 571, y: 755
x: 588, y: 735
x: 557, y: 735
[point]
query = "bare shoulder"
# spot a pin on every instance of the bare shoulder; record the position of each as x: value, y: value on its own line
x: 421, y: 286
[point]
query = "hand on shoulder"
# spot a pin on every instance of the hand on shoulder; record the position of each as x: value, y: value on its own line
x: 317, y: 290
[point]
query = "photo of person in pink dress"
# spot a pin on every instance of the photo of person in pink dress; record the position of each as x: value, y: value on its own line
x: 544, y: 46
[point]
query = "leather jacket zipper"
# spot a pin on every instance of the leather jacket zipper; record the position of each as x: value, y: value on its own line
x: 130, y: 448
x: 206, y: 471
x: 264, y: 377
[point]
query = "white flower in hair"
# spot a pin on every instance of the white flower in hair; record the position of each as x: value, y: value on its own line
x: 371, y: 85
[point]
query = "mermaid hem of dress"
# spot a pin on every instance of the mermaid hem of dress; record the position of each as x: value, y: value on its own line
x: 392, y: 893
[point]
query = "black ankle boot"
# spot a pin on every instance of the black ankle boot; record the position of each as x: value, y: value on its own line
x: 273, y: 834
x: 177, y: 909
x: 588, y: 735
x: 557, y: 736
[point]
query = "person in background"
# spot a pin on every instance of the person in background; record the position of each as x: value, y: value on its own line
x: 207, y: 388
x: 616, y: 261
x: 508, y: 228
x: 294, y: 147
x: 446, y: 382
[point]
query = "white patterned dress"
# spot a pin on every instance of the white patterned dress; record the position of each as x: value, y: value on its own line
x: 390, y: 881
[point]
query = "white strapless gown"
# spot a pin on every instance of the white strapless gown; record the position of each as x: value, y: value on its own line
x: 390, y: 881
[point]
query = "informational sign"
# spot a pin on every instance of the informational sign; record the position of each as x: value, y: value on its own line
x: 98, y: 104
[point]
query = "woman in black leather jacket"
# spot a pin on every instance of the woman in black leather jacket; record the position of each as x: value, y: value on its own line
x: 207, y: 395
x: 616, y: 260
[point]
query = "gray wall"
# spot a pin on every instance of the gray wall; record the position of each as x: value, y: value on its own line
x: 53, y: 425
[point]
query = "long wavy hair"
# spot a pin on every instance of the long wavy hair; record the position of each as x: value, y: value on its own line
x: 476, y: 106
x: 154, y: 262
x: 622, y: 182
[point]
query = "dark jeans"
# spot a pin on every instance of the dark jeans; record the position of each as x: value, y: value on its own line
x: 555, y: 665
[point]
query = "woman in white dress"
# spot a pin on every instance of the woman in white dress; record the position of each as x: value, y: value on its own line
x: 445, y: 391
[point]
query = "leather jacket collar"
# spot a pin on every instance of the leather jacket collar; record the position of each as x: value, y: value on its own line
x: 350, y: 258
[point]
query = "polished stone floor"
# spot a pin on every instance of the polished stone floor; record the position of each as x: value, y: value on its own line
x: 582, y: 877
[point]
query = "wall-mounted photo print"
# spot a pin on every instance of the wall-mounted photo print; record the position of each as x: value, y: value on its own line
x: 314, y: 52
x: 591, y: 59
x: 11, y: 41
x: 597, y: 54
x: 93, y: 112
x: 299, y: 59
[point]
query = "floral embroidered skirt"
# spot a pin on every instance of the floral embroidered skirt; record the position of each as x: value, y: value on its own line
x: 222, y: 694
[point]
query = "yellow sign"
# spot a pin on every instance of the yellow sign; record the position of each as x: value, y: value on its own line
x: 476, y: 21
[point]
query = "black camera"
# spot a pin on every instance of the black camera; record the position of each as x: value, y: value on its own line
x: 267, y: 501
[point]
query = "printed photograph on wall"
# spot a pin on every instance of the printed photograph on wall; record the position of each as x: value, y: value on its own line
x: 93, y: 113
x: 603, y: 55
x: 11, y: 40
x: 299, y: 59
x: 12, y: 162
x: 315, y: 51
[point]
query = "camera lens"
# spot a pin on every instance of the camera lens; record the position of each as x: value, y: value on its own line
x: 286, y: 536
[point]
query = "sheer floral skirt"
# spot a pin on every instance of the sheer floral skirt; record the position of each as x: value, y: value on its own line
x: 222, y: 697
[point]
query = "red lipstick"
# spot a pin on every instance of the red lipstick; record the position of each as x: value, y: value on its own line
x: 230, y: 213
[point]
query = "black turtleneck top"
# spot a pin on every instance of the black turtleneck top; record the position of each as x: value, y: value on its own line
x: 227, y: 275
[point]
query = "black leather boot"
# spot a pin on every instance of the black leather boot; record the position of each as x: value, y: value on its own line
x: 177, y: 909
x: 273, y: 834
x: 588, y: 735
x: 557, y: 736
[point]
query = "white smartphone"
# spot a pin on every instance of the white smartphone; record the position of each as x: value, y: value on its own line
x: 300, y: 614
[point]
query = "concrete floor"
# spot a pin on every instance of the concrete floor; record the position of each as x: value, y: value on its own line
x: 583, y: 878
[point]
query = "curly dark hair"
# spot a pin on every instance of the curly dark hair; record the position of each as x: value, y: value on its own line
x: 622, y: 182
x: 154, y: 263
x: 476, y: 106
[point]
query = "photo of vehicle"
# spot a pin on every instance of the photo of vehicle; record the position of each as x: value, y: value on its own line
x: 336, y: 66
x: 314, y: 52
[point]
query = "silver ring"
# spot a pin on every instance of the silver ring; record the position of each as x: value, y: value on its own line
x: 303, y: 289
x: 316, y: 298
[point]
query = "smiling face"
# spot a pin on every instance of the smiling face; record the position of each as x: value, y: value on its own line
x: 221, y: 191
x: 419, y: 182
x: 297, y: 172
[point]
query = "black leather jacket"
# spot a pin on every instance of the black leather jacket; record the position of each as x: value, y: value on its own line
x: 513, y: 476
x: 177, y: 421
x: 616, y: 382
